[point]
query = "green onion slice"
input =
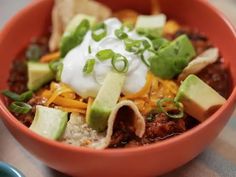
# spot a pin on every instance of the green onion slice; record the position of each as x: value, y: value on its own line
x: 178, y: 108
x: 120, y: 63
x: 59, y: 71
x: 34, y: 52
x: 132, y: 45
x: 16, y: 97
x: 99, y: 31
x: 120, y: 34
x: 89, y: 49
x: 25, y: 96
x: 89, y: 65
x: 54, y: 64
x: 105, y: 54
x: 146, y: 44
x: 145, y: 60
x: 19, y: 107
x: 127, y: 26
x: 82, y: 29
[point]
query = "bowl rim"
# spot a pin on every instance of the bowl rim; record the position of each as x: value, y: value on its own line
x: 5, y: 113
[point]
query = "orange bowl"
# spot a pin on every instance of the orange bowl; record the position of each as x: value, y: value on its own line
x: 151, y: 160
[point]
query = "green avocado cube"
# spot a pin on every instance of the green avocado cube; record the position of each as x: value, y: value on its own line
x: 105, y: 101
x: 49, y: 122
x: 172, y: 59
x: 150, y: 25
x: 199, y: 99
x: 38, y: 75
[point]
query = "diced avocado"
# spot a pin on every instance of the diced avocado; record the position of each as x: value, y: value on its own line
x: 38, y: 75
x: 75, y: 32
x: 150, y: 25
x: 49, y: 122
x: 173, y: 58
x: 105, y: 101
x: 199, y: 99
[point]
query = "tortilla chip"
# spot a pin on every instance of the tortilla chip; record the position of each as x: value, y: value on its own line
x: 79, y: 134
x: 199, y: 63
x: 64, y: 10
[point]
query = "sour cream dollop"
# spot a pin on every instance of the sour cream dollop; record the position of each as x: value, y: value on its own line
x: 88, y: 85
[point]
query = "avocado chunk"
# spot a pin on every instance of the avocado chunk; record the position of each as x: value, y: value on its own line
x: 49, y: 122
x: 75, y: 32
x: 38, y: 75
x: 172, y: 59
x: 150, y: 25
x: 198, y: 98
x: 105, y: 101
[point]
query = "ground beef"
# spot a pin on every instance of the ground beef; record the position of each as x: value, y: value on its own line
x: 17, y: 81
x: 160, y: 128
x: 217, y: 76
x: 123, y: 131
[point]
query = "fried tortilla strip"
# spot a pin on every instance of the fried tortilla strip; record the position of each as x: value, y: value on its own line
x: 64, y: 10
x: 79, y: 134
x: 196, y: 65
x: 138, y: 119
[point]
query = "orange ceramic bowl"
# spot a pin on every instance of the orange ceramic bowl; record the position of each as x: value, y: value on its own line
x: 146, y: 161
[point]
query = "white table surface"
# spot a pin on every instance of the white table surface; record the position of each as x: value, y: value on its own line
x: 13, y: 153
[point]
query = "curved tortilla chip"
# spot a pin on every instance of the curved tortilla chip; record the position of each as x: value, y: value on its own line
x: 138, y: 119
x: 64, y: 10
x: 78, y: 133
x: 196, y: 65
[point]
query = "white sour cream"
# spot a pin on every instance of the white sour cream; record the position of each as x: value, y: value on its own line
x: 89, y: 85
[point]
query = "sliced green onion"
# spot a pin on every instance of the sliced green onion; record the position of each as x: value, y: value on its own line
x: 82, y: 29
x: 120, y: 34
x: 146, y: 44
x: 89, y: 65
x: 178, y: 107
x: 54, y: 64
x: 105, y: 54
x: 120, y: 63
x: 25, y: 96
x: 56, y: 67
x: 89, y: 49
x: 19, y: 107
x: 127, y: 26
x: 145, y: 60
x: 149, y: 33
x: 132, y: 45
x: 16, y: 97
x: 99, y: 31
x: 34, y: 52
x: 59, y: 72
x: 11, y: 95
x: 72, y: 39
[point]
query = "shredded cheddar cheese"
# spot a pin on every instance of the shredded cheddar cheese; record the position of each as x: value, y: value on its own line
x: 65, y: 102
x: 50, y: 57
x: 81, y: 111
x: 144, y: 90
x: 154, y: 89
x: 57, y: 90
x: 90, y: 101
x: 171, y: 27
